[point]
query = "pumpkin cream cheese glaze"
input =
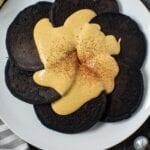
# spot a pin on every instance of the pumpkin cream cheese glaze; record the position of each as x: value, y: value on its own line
x: 77, y: 58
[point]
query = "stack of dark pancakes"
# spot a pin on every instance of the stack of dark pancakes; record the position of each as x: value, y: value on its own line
x: 24, y: 61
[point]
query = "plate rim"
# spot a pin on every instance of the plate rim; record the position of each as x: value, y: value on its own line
x: 2, y: 117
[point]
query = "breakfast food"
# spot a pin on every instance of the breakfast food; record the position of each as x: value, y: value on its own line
x: 23, y: 52
x: 127, y: 95
x: 20, y: 42
x: 78, y: 121
x: 68, y: 7
x: 133, y: 43
x: 77, y: 61
x: 21, y: 85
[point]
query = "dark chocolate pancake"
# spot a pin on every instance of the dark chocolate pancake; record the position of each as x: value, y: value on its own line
x: 21, y: 85
x: 127, y: 95
x: 20, y: 41
x: 62, y: 9
x: 133, y: 43
x: 78, y: 121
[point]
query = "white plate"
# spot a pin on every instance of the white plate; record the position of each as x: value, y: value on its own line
x: 20, y: 117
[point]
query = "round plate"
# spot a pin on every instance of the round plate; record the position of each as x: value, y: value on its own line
x: 21, y: 118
